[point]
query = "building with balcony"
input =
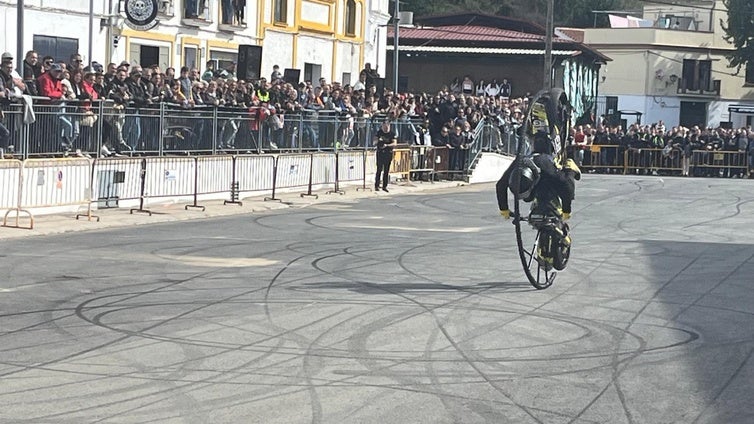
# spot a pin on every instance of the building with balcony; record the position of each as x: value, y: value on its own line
x: 671, y: 67
x: 320, y: 38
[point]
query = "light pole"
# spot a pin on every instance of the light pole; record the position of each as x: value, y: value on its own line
x: 396, y: 27
x: 547, y: 78
x: 91, y: 32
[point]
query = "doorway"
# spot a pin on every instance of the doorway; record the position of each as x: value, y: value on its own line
x: 693, y: 113
x: 312, y: 72
x: 149, y: 55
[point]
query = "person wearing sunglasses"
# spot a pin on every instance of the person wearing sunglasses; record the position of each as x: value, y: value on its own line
x: 75, y: 63
x: 47, y: 62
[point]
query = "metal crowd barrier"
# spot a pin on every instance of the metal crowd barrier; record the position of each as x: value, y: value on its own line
x: 291, y: 171
x: 603, y: 158
x: 163, y: 129
x: 117, y: 180
x: 401, y: 165
x: 619, y: 159
x: 350, y: 167
x: 252, y: 174
x: 719, y: 162
x: 422, y: 163
x: 10, y: 188
x: 56, y: 184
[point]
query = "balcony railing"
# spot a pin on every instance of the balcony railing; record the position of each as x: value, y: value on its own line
x: 698, y: 88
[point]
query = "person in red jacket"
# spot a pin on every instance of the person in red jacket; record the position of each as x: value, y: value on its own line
x: 50, y: 83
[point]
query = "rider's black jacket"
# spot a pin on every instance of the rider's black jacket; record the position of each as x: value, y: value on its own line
x: 554, y: 186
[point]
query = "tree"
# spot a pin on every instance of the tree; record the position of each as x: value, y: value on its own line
x: 739, y: 31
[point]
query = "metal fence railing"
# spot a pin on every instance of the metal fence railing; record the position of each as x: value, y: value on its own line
x: 103, y: 128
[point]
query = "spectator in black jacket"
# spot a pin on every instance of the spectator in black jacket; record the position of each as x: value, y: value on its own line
x: 32, y: 71
x: 456, y: 141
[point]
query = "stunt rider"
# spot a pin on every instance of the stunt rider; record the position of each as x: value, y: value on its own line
x: 551, y: 190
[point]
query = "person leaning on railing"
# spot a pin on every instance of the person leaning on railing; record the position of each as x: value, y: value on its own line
x: 6, y: 92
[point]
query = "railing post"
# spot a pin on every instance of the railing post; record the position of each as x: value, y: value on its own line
x: 215, y: 126
x: 142, y: 176
x: 234, y: 186
x: 25, y: 141
x: 91, y: 195
x: 337, y: 177
x: 274, y: 181
x: 161, y: 141
x: 300, y: 132
x: 100, y: 127
x: 311, y: 176
x: 196, y: 186
x: 364, y: 171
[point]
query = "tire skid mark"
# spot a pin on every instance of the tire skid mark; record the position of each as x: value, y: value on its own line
x: 621, y: 364
x: 722, y: 218
x: 457, y: 348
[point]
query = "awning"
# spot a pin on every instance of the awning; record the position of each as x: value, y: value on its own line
x: 481, y: 50
x: 745, y: 109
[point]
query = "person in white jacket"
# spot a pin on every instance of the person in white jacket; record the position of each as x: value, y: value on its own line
x: 492, y: 89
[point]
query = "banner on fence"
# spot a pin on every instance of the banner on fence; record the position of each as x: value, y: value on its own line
x: 116, y: 180
x: 169, y: 177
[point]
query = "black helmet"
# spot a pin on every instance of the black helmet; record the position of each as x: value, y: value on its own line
x: 524, y: 178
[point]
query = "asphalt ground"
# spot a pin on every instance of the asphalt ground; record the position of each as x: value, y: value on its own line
x: 407, y: 307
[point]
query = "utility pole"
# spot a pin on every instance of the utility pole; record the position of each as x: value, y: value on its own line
x: 20, y: 37
x: 396, y: 28
x: 547, y: 78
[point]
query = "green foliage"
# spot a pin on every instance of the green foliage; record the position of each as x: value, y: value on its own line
x: 739, y: 31
x: 573, y: 13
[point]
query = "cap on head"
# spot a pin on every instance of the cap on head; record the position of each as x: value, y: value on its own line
x: 56, y: 67
x: 7, y: 56
x: 125, y: 63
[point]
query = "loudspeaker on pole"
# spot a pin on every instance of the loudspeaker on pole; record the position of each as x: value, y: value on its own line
x: 249, y: 62
x: 292, y: 76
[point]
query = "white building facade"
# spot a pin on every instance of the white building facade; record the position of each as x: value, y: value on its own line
x: 320, y: 38
x: 675, y: 70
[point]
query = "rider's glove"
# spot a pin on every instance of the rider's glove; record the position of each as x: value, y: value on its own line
x: 566, y: 216
x: 571, y: 166
x: 505, y: 213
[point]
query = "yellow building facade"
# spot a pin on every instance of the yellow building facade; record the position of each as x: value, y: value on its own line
x: 320, y: 38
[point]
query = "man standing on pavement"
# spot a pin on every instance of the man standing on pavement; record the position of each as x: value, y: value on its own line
x: 386, y: 140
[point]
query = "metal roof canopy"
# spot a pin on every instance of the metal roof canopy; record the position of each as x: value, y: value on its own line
x: 480, y: 50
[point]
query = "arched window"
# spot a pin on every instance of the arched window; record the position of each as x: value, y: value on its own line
x: 350, y: 17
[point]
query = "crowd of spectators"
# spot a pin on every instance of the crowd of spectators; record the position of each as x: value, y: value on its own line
x: 443, y: 119
x: 446, y: 118
x: 655, y: 148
